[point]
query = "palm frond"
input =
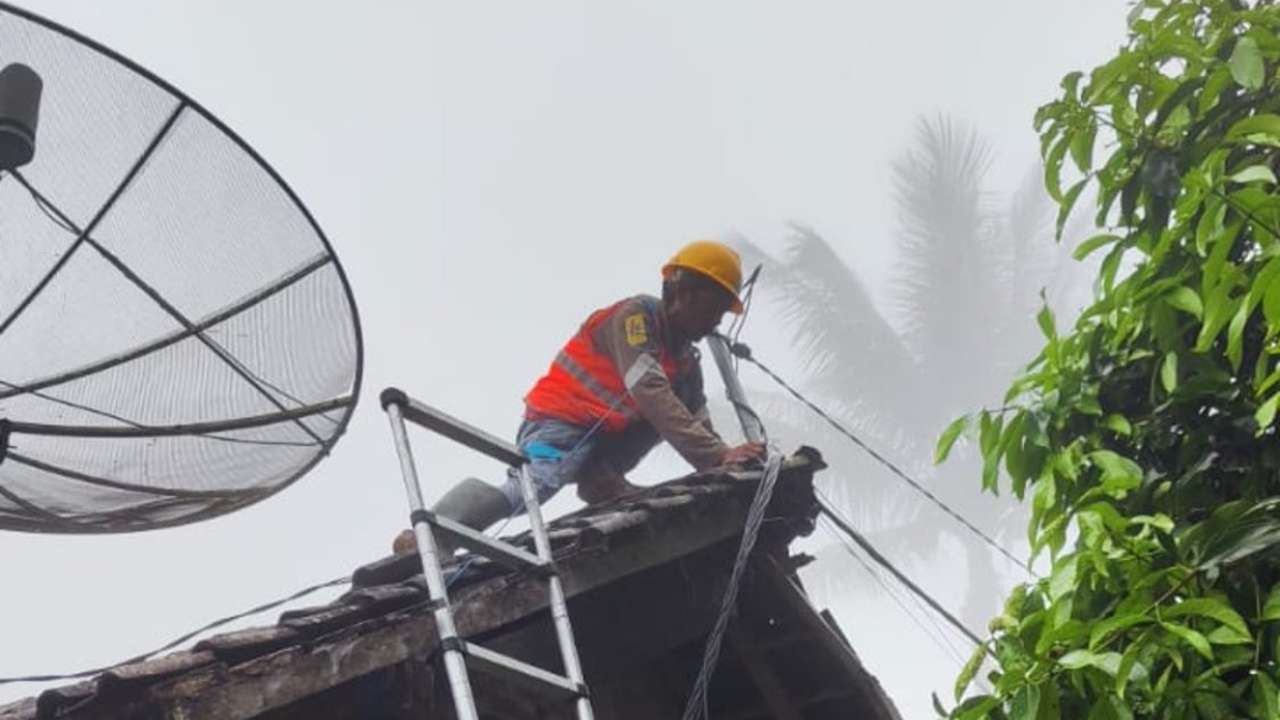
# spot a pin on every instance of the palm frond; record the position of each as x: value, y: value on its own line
x: 835, y: 328
x: 950, y: 281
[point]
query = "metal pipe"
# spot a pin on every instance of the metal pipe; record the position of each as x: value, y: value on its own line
x: 751, y: 427
x: 454, y: 662
x: 555, y: 592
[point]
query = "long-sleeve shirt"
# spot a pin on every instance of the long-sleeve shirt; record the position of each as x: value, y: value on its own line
x: 633, y: 338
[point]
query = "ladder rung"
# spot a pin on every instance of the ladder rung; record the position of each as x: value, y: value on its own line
x: 492, y: 548
x: 557, y: 687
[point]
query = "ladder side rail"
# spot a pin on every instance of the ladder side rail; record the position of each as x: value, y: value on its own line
x: 556, y: 597
x: 455, y: 661
x: 401, y: 407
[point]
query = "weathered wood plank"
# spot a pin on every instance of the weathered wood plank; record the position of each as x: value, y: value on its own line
x: 762, y: 674
x: 870, y: 696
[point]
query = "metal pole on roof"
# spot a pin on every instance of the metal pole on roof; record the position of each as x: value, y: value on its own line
x: 752, y: 429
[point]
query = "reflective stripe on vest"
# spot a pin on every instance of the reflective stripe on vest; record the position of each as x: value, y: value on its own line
x: 617, y: 403
x: 583, y: 387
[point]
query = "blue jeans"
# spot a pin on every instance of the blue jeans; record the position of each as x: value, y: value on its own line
x: 558, y: 452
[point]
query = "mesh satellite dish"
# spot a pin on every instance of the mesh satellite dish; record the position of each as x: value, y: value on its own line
x: 177, y: 339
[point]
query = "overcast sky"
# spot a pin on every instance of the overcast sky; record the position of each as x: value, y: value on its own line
x: 490, y: 172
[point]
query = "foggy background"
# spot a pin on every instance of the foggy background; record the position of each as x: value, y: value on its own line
x: 488, y: 173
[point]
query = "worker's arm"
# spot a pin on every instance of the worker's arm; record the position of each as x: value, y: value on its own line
x: 630, y: 339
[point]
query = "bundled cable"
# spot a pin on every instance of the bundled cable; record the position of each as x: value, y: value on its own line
x: 696, y: 706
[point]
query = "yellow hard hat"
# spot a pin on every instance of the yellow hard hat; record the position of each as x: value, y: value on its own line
x: 712, y: 259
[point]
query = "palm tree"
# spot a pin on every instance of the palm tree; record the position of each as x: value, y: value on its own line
x: 965, y: 292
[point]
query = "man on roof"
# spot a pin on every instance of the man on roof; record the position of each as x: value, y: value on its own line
x: 628, y: 379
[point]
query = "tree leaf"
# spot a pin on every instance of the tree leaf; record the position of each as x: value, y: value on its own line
x: 1130, y: 668
x: 976, y: 707
x: 1102, y: 78
x: 1208, y: 607
x: 1107, y: 662
x: 1169, y: 372
x: 949, y: 437
x: 1186, y: 300
x: 1223, y: 635
x: 1025, y: 704
x: 1044, y: 319
x: 1077, y: 659
x: 1246, y: 64
x: 1271, y: 306
x: 1266, y: 703
x: 1103, y: 630
x: 1271, y: 610
x: 1082, y: 147
x: 1235, y: 332
x: 937, y: 706
x: 1218, y: 309
x: 969, y: 670
x: 1083, y: 249
x: 1118, y: 424
x: 1266, y: 413
x: 1118, y: 472
x: 1213, y: 706
x: 1063, y: 579
x: 1256, y: 173
x: 1235, y: 531
x: 1191, y: 637
x: 1053, y: 169
x: 1068, y: 202
x: 1263, y: 124
x: 1050, y: 702
x: 1109, y: 707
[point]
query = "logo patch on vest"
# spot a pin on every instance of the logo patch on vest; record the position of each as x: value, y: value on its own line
x: 637, y: 330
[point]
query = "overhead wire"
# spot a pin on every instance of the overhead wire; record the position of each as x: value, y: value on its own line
x: 847, y: 528
x: 743, y: 351
x: 184, y: 638
x: 938, y: 637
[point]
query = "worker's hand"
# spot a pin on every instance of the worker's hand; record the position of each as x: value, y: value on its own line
x: 744, y: 453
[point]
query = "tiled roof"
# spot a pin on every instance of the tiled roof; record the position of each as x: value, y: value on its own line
x: 385, y: 619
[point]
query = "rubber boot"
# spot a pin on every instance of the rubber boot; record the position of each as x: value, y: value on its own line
x: 471, y: 502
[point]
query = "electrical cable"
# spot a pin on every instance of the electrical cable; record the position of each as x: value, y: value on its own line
x: 939, y: 637
x: 743, y: 351
x: 179, y: 641
x: 846, y: 527
x: 697, y: 704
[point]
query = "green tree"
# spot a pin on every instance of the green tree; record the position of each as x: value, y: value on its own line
x: 1146, y: 435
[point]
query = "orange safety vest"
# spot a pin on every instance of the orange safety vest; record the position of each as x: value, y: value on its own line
x: 583, y: 386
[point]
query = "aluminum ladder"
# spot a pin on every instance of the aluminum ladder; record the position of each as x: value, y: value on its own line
x: 459, y: 655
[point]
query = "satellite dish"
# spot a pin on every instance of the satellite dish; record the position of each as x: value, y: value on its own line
x: 177, y: 338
